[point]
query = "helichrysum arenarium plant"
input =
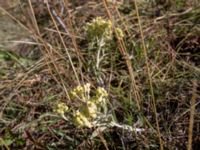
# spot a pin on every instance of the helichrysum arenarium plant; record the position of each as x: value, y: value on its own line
x: 100, y: 35
x: 93, y: 109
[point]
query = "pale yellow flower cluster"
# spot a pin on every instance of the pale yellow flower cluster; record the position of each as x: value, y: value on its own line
x: 84, y: 116
x: 102, y: 29
x: 81, y: 120
x: 80, y: 92
x: 101, y: 96
x: 101, y: 92
x: 89, y: 110
x: 61, y: 108
x: 120, y: 33
x: 99, y: 28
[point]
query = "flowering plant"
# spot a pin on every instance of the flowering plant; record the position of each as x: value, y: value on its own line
x: 99, y: 29
x: 93, y: 111
x: 90, y: 110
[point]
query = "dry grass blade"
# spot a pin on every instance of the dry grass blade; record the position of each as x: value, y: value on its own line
x: 62, y: 40
x: 192, y: 112
x: 149, y: 76
x: 122, y: 49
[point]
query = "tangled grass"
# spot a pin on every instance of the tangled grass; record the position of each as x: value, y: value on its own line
x: 110, y: 75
